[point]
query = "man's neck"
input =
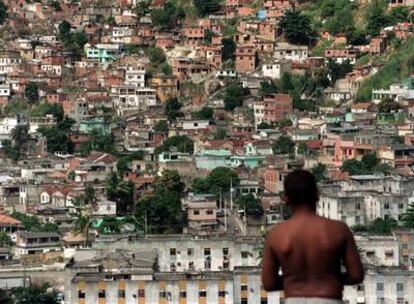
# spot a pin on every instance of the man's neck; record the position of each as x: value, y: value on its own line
x: 303, y: 211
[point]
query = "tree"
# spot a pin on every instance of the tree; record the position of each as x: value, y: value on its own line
x: 5, y: 240
x: 338, y: 70
x: 352, y: 167
x: 267, y: 88
x: 303, y: 149
x: 399, y: 14
x: 121, y: 192
x: 388, y: 105
x: 162, y: 210
x: 319, y: 171
x: 34, y: 294
x: 10, y: 151
x: 57, y: 140
x: 98, y: 141
x: 233, y: 97
x: 90, y: 194
x: 31, y: 92
x: 408, y: 217
x: 376, y: 18
x: 166, y: 69
x: 156, y: 55
x: 264, y: 125
x: 161, y: 126
x: 200, y: 185
x: 20, y: 137
x: 251, y: 204
x: 56, y: 6
x: 172, y: 109
x: 181, y: 143
x: 3, y: 12
x: 382, y: 226
x: 64, y: 28
x: 228, y: 49
x: 5, y: 297
x: 222, y: 178
x: 206, y: 7
x: 283, y: 145
x: 296, y: 27
x: 205, y: 113
x: 167, y: 17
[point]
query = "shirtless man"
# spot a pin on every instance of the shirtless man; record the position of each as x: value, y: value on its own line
x: 309, y: 250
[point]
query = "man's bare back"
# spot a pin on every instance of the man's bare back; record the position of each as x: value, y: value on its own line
x: 310, y: 251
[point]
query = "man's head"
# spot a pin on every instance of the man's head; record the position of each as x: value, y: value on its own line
x: 301, y: 190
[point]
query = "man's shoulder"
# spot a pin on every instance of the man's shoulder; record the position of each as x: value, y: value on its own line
x: 337, y: 226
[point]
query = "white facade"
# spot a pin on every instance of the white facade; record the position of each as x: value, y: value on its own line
x: 291, y: 52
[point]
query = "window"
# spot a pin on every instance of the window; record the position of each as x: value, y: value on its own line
x: 101, y: 294
x: 202, y: 294
x: 196, y: 212
x: 81, y: 294
x: 163, y: 294
x: 209, y: 212
x: 263, y: 301
x: 121, y: 293
x: 225, y: 251
x: 183, y: 294
x: 400, y: 286
x: 386, y: 206
x: 207, y: 251
x: 243, y: 287
x: 380, y: 286
x: 244, y: 254
x: 360, y: 287
x: 221, y: 293
x: 404, y: 246
x: 172, y: 251
x: 400, y: 301
x: 244, y: 301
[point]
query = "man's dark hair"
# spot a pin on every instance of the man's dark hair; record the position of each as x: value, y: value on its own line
x: 301, y: 188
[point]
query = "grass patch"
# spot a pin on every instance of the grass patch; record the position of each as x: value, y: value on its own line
x: 398, y: 66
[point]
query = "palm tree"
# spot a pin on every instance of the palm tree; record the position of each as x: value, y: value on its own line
x: 84, y: 222
x: 20, y: 136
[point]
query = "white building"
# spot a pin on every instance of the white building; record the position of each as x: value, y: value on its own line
x: 276, y: 69
x: 292, y: 52
x: 396, y: 92
x: 129, y: 97
x: 135, y: 76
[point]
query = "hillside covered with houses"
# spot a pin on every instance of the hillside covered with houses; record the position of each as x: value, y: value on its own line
x: 144, y: 143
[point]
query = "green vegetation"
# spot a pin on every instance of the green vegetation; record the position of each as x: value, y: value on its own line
x: 172, y: 109
x: 233, y: 96
x: 31, y: 92
x: 72, y: 41
x: 283, y: 145
x: 162, y: 210
x: 251, y: 204
x: 369, y: 164
x: 408, y: 217
x: 206, y: 7
x: 3, y: 12
x: 35, y: 294
x: 228, y: 51
x: 219, y: 179
x: 379, y: 226
x: 182, y: 143
x: 32, y: 223
x: 397, y: 67
x: 319, y: 171
x: 161, y: 126
x: 123, y: 164
x: 297, y: 27
x: 98, y: 142
x: 5, y: 240
x: 58, y: 139
x: 122, y: 192
x: 167, y: 17
x: 205, y: 113
x: 264, y: 125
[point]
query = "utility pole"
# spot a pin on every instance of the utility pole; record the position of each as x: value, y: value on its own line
x: 231, y: 194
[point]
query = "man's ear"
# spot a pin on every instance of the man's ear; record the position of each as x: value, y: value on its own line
x: 285, y: 199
